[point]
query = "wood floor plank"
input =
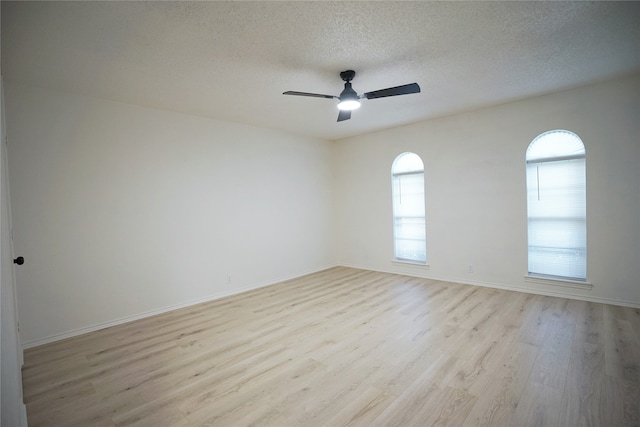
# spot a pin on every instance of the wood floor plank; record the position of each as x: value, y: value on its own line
x: 363, y: 410
x: 499, y: 396
x: 553, y: 358
x: 622, y: 361
x: 539, y: 406
x: 585, y: 383
x: 349, y: 347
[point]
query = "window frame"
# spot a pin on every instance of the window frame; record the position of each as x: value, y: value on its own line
x: 545, y: 273
x: 396, y: 176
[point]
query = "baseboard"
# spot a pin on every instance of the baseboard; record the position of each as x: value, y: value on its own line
x: 23, y: 415
x: 138, y: 316
x: 424, y: 273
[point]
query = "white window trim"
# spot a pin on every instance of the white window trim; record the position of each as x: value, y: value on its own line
x: 408, y: 261
x: 556, y: 281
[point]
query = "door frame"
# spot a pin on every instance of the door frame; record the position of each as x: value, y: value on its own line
x: 13, y: 411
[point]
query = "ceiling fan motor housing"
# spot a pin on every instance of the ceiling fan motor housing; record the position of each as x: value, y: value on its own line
x: 348, y: 92
x: 347, y: 75
x: 348, y: 97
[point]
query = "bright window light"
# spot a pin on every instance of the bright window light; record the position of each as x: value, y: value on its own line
x: 556, y: 206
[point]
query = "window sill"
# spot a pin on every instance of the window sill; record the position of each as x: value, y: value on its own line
x: 410, y: 266
x: 576, y: 284
x: 410, y: 263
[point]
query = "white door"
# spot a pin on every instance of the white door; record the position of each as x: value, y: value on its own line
x: 12, y: 410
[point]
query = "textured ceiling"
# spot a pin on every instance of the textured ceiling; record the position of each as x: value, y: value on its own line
x: 233, y: 60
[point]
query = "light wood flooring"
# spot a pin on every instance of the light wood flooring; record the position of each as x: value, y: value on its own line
x: 349, y: 347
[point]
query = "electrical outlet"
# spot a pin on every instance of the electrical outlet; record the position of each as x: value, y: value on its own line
x: 228, y: 280
x: 470, y: 269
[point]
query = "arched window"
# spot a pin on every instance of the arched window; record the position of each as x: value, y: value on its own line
x: 407, y: 180
x: 556, y: 206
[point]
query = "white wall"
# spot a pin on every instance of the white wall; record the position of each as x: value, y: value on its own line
x: 475, y: 191
x: 122, y: 211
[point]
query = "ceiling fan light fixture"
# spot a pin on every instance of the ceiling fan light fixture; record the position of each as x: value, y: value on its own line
x: 349, y: 104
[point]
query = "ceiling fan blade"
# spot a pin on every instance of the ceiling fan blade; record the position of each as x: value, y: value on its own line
x: 393, y: 91
x: 314, y: 95
x: 344, y: 115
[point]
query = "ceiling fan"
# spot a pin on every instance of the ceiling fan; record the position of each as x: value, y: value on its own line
x: 350, y: 100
